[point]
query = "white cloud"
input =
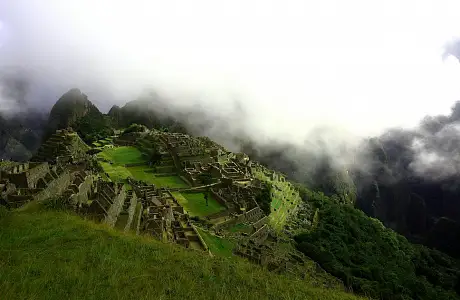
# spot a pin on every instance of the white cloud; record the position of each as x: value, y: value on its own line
x: 357, y: 65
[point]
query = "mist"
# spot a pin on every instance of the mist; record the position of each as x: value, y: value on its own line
x: 320, y: 76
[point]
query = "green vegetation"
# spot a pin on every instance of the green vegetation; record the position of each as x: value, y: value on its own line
x: 144, y: 173
x: 3, y: 211
x: 122, y: 155
x: 135, y: 128
x: 74, y: 110
x: 264, y: 199
x: 116, y: 172
x: 284, y: 198
x: 93, y: 126
x: 52, y: 255
x: 218, y: 246
x: 169, y: 181
x: 240, y: 228
x: 371, y: 259
x: 141, y: 173
x: 195, y: 204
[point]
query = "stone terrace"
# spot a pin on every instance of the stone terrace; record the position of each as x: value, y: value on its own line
x: 53, y: 182
x: 62, y: 147
x: 108, y: 202
x: 26, y: 175
x: 165, y: 218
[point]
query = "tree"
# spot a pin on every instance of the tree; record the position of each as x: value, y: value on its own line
x: 206, y: 197
x: 264, y: 199
x: 206, y: 179
x: 135, y: 128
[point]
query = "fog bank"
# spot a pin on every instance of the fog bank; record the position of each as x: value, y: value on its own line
x: 280, y: 71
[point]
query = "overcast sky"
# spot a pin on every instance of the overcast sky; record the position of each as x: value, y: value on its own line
x: 358, y: 65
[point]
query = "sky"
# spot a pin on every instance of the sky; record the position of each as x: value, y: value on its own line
x: 355, y: 66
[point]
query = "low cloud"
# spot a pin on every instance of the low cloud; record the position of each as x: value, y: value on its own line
x: 316, y: 78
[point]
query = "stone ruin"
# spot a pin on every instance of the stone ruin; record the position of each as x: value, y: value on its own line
x: 265, y: 250
x: 140, y: 207
x: 64, y: 146
x: 165, y: 219
x: 27, y: 182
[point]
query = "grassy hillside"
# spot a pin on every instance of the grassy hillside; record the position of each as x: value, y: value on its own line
x: 53, y: 255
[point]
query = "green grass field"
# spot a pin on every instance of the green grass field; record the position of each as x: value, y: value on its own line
x: 217, y: 245
x: 240, y: 228
x: 53, y: 255
x: 120, y: 173
x: 195, y: 204
x: 169, y: 181
x: 122, y: 155
x: 139, y: 172
x: 116, y: 172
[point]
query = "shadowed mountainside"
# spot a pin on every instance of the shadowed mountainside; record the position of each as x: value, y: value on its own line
x: 74, y: 110
x: 21, y: 135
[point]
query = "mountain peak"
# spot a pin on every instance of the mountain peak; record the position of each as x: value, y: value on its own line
x: 71, y: 107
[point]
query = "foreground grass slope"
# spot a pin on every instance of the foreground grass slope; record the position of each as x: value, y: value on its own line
x: 53, y: 255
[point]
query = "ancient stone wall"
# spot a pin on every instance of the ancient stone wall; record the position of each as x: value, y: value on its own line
x: 139, y: 218
x: 121, y: 142
x: 55, y: 187
x: 135, y: 164
x: 234, y: 221
x: 84, y: 191
x: 219, y: 198
x: 18, y: 200
x: 19, y: 180
x: 220, y: 214
x: 63, y: 159
x: 260, y: 235
x: 200, y: 238
x: 26, y: 175
x: 131, y: 211
x: 189, y: 178
x: 250, y: 216
x: 116, y: 207
x: 260, y: 223
x: 254, y: 214
x: 35, y: 172
x: 7, y: 188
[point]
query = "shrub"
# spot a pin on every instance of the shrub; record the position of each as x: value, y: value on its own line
x: 3, y: 211
x: 264, y: 199
x: 135, y: 128
x: 56, y: 203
